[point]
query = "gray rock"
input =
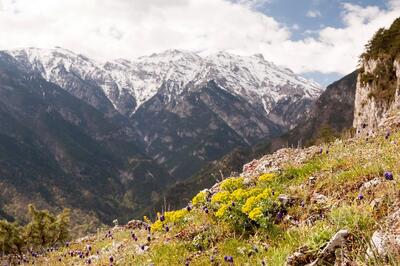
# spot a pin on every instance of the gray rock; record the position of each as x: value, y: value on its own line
x: 370, y: 184
x: 319, y: 198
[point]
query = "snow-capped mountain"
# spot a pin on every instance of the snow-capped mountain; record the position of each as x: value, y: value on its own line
x: 186, y: 109
x: 129, y: 84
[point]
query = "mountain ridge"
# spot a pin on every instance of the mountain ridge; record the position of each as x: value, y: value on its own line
x: 145, y: 75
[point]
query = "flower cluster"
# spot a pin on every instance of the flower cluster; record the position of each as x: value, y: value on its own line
x: 200, y: 198
x: 172, y: 217
x: 240, y: 205
x: 266, y: 177
x: 232, y: 184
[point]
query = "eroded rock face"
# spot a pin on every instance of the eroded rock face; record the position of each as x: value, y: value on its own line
x: 371, y: 110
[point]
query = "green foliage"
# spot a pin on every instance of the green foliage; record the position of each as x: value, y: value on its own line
x: 319, y: 236
x: 11, y: 240
x: 384, y: 48
x: 326, y: 134
x: 44, y: 230
x: 353, y: 218
x: 384, y: 42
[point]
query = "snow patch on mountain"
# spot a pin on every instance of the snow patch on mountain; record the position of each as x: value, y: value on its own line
x: 253, y: 78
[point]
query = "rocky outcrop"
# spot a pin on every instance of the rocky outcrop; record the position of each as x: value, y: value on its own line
x: 386, y: 241
x: 375, y: 103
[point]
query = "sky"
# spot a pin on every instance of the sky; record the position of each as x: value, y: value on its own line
x: 319, y: 39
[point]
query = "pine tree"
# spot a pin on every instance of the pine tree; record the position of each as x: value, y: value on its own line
x: 11, y: 240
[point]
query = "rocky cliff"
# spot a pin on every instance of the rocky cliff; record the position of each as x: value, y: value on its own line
x: 377, y: 94
x: 375, y: 104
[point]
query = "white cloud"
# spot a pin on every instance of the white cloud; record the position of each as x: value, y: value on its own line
x: 313, y: 14
x: 131, y: 28
x: 394, y: 3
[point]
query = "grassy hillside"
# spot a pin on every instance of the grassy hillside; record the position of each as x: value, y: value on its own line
x: 331, y: 116
x: 297, y: 203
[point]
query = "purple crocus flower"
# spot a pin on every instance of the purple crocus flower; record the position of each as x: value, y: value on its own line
x: 188, y: 208
x: 167, y: 228
x: 387, y: 134
x: 280, y: 215
x: 111, y: 259
x: 388, y: 176
x: 233, y: 204
x: 228, y: 259
x: 162, y: 218
x: 206, y: 210
x: 148, y: 238
x: 360, y: 197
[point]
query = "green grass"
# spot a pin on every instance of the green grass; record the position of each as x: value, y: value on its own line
x: 199, y: 236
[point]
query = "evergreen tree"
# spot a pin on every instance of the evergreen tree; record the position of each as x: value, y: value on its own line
x: 11, y: 240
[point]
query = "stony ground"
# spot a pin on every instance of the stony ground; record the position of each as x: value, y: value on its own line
x: 335, y: 204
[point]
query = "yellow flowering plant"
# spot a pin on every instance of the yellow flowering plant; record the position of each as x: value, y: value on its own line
x: 200, y: 198
x: 232, y: 184
x: 267, y: 177
x: 172, y: 217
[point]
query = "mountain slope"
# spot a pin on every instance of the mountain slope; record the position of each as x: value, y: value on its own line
x: 54, y: 146
x: 334, y: 110
x: 305, y: 207
x: 209, y: 104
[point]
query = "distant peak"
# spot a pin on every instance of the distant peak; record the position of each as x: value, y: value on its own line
x: 260, y: 56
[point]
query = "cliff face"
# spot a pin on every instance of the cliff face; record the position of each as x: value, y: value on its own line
x: 375, y: 101
x: 377, y: 94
